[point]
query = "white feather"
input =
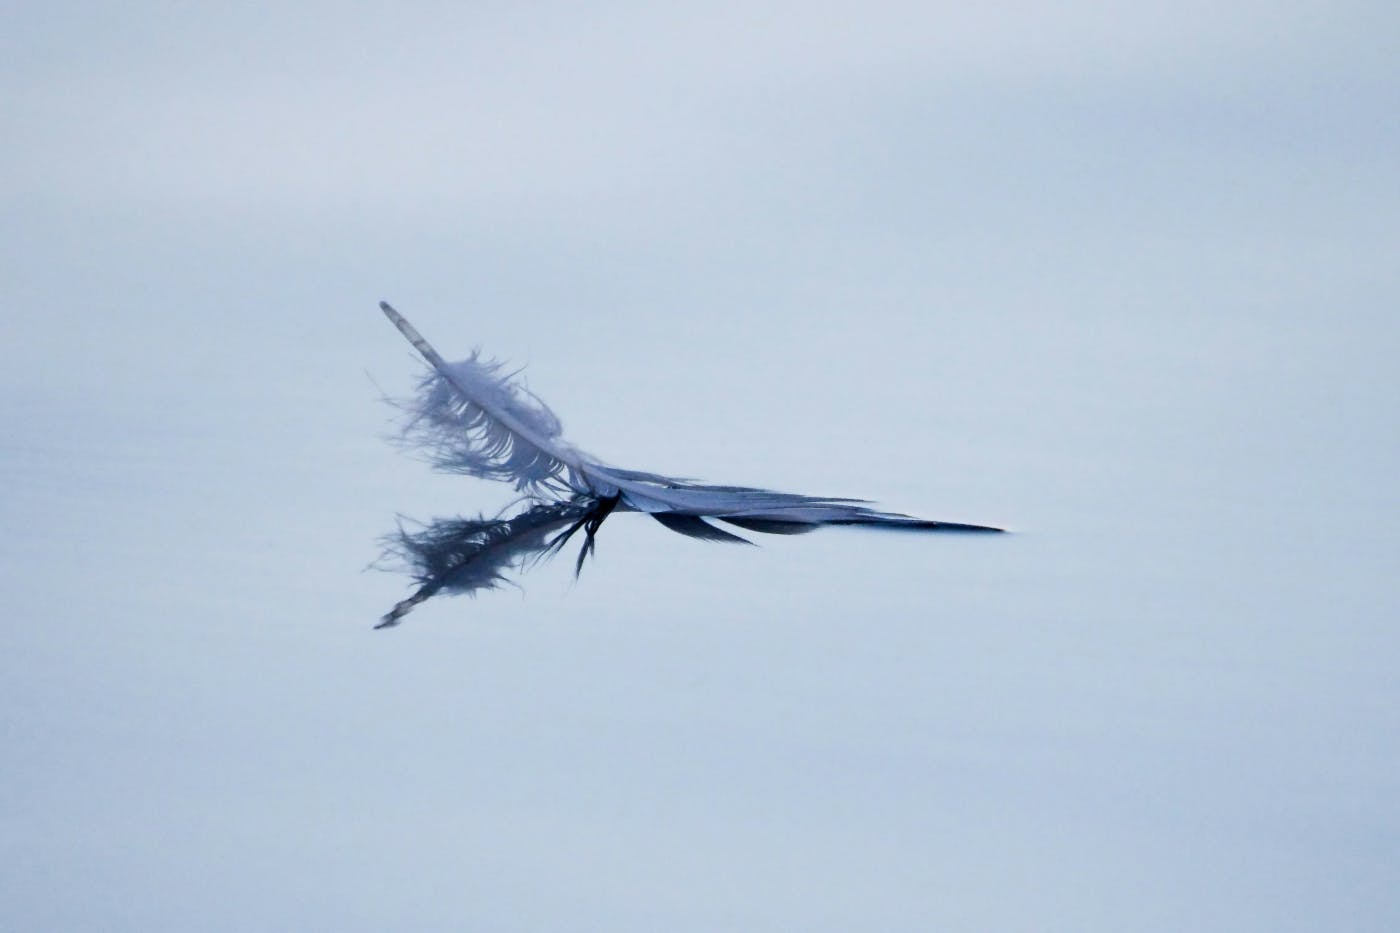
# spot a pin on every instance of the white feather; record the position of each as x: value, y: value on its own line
x: 477, y: 421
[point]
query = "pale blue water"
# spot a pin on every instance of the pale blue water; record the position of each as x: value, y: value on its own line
x: 1127, y: 287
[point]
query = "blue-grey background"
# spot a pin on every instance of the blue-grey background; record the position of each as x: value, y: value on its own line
x: 1121, y: 277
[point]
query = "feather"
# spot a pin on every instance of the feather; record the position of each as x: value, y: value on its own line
x: 473, y: 417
